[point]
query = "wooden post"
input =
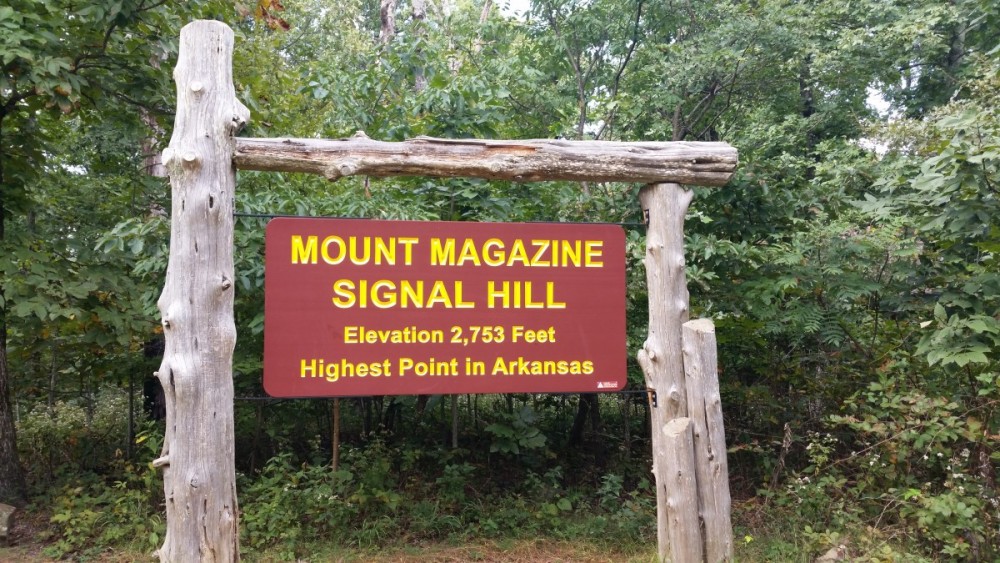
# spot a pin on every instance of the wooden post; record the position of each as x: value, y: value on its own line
x: 196, y: 305
x: 705, y: 411
x: 683, y: 530
x: 661, y: 356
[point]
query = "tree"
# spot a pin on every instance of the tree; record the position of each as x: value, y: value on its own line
x: 60, y: 59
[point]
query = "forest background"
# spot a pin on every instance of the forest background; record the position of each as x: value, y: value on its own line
x: 852, y: 266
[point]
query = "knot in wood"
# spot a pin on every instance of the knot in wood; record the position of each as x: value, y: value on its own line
x: 332, y: 173
x: 239, y: 119
x: 190, y: 161
x: 197, y: 87
x: 348, y: 168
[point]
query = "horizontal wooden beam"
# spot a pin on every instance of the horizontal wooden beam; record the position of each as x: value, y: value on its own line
x: 534, y: 160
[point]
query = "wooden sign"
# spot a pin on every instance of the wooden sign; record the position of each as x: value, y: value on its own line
x: 361, y: 307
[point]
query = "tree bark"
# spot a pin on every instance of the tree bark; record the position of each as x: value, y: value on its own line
x: 484, y: 15
x: 661, y: 356
x: 705, y: 411
x: 152, y: 162
x: 12, y: 485
x: 706, y: 164
x: 454, y: 422
x: 335, y: 437
x: 419, y: 16
x: 387, y: 26
x: 258, y: 424
x: 197, y: 304
x: 588, y: 409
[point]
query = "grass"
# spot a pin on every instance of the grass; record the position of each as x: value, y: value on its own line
x: 507, y: 551
x: 762, y: 533
x: 520, y: 551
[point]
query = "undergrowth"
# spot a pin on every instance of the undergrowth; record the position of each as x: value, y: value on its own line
x: 896, y: 477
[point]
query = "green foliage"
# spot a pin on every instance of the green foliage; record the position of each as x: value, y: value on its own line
x: 517, y: 432
x: 854, y: 291
x: 62, y: 58
x: 948, y: 191
x: 453, y: 482
x: 122, y: 508
x: 286, y: 504
x: 925, y: 459
x: 71, y: 436
x: 289, y: 507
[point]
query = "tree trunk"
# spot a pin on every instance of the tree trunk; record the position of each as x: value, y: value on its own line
x: 130, y: 431
x: 12, y: 485
x: 419, y: 16
x: 484, y: 14
x: 626, y: 403
x: 196, y: 305
x: 335, y: 437
x: 367, y: 422
x: 258, y: 425
x: 387, y: 27
x: 454, y: 422
x: 52, y: 376
x: 661, y: 356
x: 152, y: 162
x: 588, y: 409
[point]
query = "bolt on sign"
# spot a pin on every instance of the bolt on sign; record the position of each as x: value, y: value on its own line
x: 363, y: 307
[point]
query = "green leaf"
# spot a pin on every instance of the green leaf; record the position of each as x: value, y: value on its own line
x: 964, y: 358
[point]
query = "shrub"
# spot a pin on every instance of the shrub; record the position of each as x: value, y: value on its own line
x: 73, y: 435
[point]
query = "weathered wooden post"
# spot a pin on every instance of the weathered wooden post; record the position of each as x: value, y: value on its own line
x: 705, y: 411
x: 683, y: 539
x: 680, y: 364
x: 661, y: 356
x: 198, y: 459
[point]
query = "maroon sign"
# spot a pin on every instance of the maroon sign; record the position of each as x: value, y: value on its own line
x: 360, y: 307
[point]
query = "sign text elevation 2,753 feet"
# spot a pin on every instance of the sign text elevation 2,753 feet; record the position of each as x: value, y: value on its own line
x: 358, y: 307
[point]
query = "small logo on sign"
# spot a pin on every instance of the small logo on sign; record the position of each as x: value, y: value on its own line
x: 607, y: 384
